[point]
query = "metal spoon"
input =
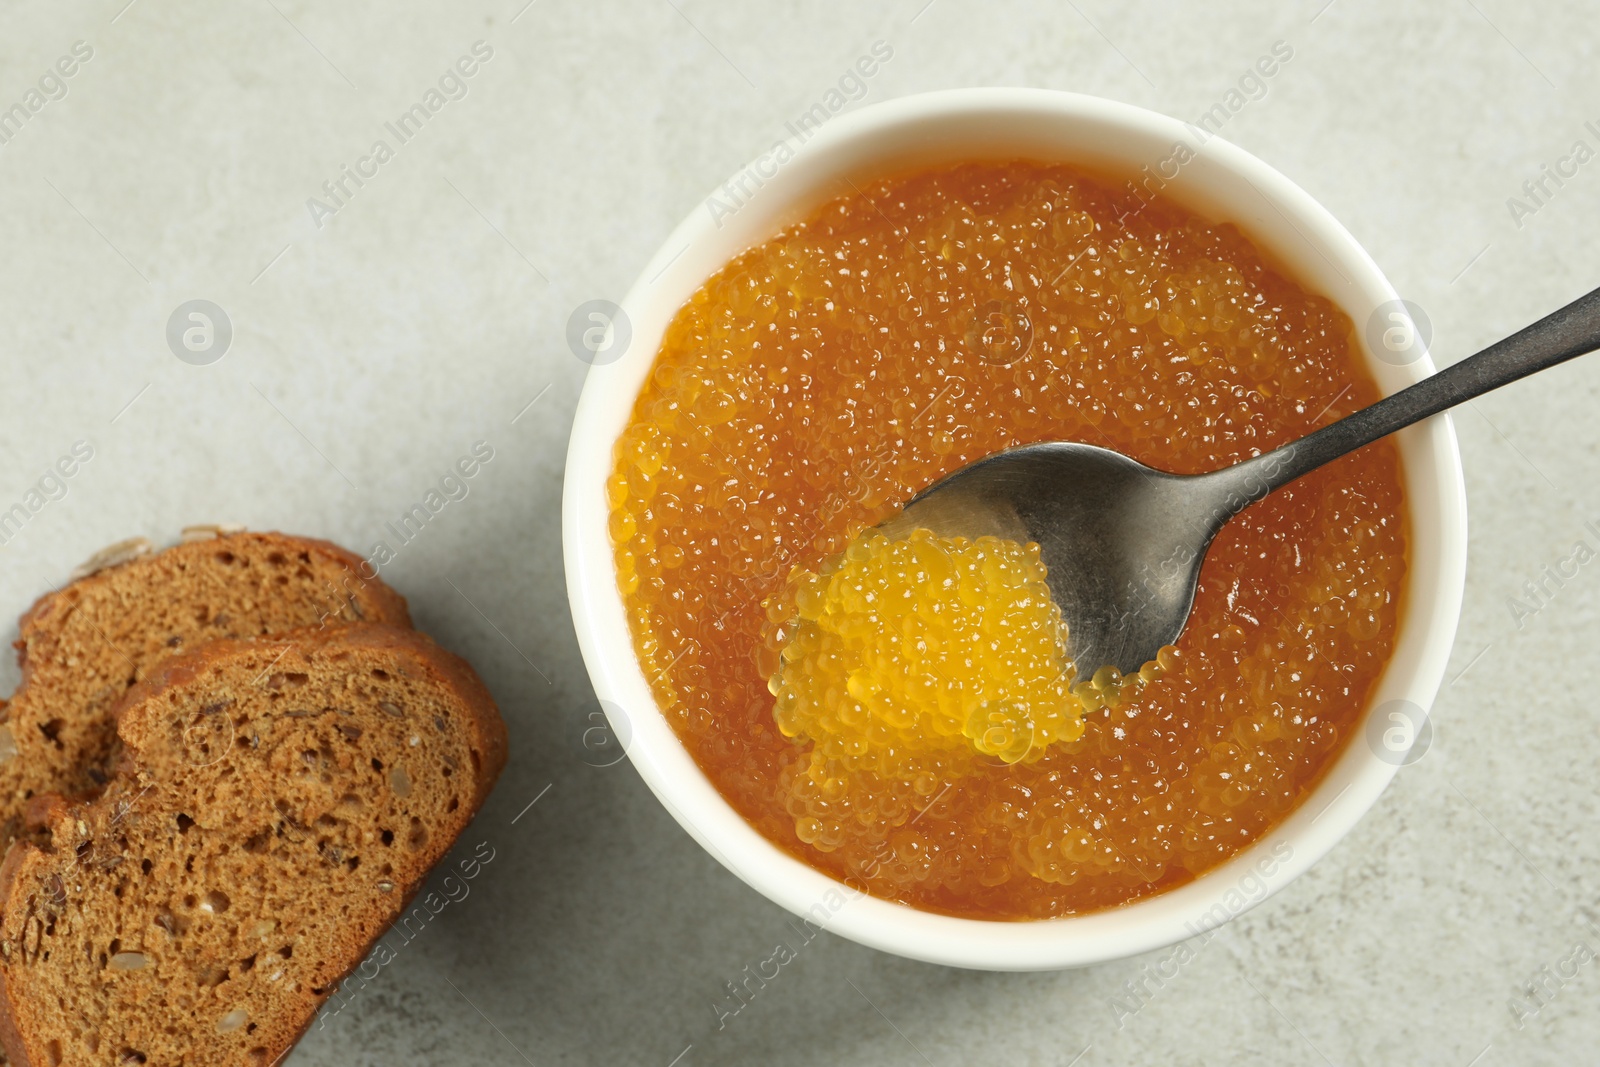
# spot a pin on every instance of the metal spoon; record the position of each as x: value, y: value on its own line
x: 1122, y: 543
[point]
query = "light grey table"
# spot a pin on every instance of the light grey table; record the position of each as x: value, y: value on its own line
x: 377, y: 337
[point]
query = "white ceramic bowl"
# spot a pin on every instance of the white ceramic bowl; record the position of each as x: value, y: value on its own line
x: 1222, y: 182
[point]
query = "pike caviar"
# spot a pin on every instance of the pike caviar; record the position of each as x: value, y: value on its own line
x: 910, y: 657
x: 901, y: 332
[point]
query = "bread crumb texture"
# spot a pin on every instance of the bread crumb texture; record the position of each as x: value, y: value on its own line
x: 276, y: 805
x: 83, y: 647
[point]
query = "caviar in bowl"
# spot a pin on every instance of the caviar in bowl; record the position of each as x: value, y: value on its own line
x: 1092, y: 894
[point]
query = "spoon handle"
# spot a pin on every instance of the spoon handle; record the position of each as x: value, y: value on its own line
x: 1556, y: 338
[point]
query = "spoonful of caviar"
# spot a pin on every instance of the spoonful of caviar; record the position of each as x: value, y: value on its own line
x: 1121, y: 543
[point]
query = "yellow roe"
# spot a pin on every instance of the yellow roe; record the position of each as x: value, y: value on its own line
x: 910, y: 660
x: 918, y: 654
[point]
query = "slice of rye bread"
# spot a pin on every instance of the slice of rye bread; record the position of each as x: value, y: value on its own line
x: 277, y: 805
x: 81, y: 648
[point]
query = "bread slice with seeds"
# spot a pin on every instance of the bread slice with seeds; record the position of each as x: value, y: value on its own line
x: 276, y: 805
x: 82, y: 647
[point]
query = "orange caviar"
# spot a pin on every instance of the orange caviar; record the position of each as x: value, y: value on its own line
x: 824, y: 377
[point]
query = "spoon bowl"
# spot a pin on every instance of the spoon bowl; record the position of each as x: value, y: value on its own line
x: 1115, y: 536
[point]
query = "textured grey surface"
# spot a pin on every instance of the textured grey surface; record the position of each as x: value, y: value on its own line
x: 370, y: 353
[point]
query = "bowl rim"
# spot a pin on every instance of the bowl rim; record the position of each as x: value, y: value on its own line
x: 891, y: 136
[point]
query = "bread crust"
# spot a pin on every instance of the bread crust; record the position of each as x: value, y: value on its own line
x: 139, y: 716
x: 10, y: 1038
